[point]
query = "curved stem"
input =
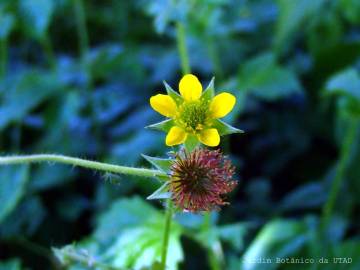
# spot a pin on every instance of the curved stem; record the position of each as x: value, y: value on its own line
x: 349, y: 139
x: 181, y: 43
x: 165, y: 243
x: 8, y: 160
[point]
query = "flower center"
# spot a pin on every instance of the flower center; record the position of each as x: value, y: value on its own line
x: 193, y: 115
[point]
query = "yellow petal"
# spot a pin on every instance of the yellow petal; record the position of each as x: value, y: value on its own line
x: 190, y: 88
x: 175, y: 136
x: 222, y: 104
x: 210, y: 137
x: 163, y: 104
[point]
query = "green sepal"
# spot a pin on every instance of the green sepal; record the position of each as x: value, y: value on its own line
x: 224, y: 128
x: 209, y: 92
x: 165, y: 125
x: 172, y: 93
x: 191, y: 143
x: 163, y: 164
x: 161, y: 193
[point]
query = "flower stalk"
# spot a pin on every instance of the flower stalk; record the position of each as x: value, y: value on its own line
x: 95, y: 165
x: 166, y: 236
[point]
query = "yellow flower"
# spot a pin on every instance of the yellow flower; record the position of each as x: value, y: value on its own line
x: 194, y: 112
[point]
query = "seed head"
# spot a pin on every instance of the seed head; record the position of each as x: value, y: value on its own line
x: 200, y: 179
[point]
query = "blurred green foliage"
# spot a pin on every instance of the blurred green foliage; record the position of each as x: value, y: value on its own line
x: 76, y: 77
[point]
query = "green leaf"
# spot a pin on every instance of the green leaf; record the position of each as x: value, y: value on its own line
x: 141, y: 247
x: 209, y: 92
x: 124, y: 213
x: 266, y: 79
x: 162, y: 164
x: 12, y: 264
x: 12, y: 188
x: 172, y: 93
x: 161, y: 193
x: 7, y: 23
x: 346, y: 82
x: 224, y: 128
x: 165, y: 125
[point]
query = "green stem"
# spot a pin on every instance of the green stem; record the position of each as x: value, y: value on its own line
x: 165, y: 243
x: 181, y: 43
x: 349, y: 139
x: 81, y: 27
x: 213, y: 257
x: 3, y: 57
x: 8, y: 160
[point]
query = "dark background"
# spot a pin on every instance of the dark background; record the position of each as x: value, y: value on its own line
x: 82, y: 89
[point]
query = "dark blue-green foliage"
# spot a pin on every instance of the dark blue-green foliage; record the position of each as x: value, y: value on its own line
x: 83, y: 90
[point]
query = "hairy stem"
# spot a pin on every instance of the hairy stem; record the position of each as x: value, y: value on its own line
x: 165, y: 243
x: 183, y: 52
x: 8, y: 160
x: 344, y: 158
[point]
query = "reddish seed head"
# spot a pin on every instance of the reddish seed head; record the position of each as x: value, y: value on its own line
x: 200, y: 179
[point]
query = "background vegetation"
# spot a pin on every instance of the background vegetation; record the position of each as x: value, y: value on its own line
x: 76, y: 77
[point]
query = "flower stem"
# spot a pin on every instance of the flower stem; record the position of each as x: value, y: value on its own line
x: 183, y: 52
x: 165, y: 243
x: 8, y: 160
x: 213, y: 257
x: 349, y: 139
